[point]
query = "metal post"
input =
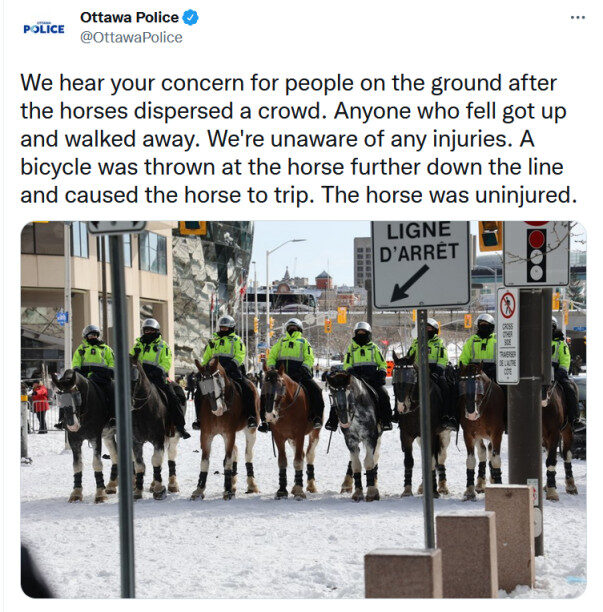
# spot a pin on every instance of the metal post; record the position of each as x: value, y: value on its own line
x: 24, y: 419
x: 257, y: 318
x: 67, y: 295
x: 105, y: 323
x: 267, y: 301
x: 425, y: 416
x: 524, y: 406
x: 124, y: 417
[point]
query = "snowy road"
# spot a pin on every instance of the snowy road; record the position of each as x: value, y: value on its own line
x: 254, y: 546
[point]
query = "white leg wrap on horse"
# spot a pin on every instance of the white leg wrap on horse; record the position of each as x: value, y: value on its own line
x: 471, y: 462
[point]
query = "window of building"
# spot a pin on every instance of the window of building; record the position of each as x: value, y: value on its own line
x: 43, y: 238
x: 127, y: 249
x: 79, y: 239
x: 152, y: 252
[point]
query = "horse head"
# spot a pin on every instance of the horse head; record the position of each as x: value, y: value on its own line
x: 404, y: 382
x: 140, y: 386
x: 274, y: 391
x: 211, y: 383
x: 69, y: 398
x: 342, y: 396
x: 473, y: 385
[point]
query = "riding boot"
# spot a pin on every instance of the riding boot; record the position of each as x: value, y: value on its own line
x: 263, y: 427
x: 332, y: 422
x: 317, y: 405
x: 448, y: 418
x: 571, y: 401
x: 176, y: 411
x: 248, y: 403
x: 384, y: 407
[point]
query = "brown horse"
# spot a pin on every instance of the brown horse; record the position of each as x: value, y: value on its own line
x: 287, y: 411
x: 553, y: 432
x: 482, y: 409
x: 220, y: 411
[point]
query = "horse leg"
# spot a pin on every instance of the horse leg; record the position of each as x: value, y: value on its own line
x: 470, y: 490
x: 372, y: 492
x: 235, y: 459
x: 310, y: 455
x: 109, y: 441
x: 376, y: 454
x: 138, y: 469
x: 159, y: 490
x: 441, y: 463
x: 76, y: 448
x: 358, y: 494
x: 282, y: 467
x: 481, y: 466
x: 494, y: 457
x: 250, y: 438
x: 298, y: 463
x: 567, y: 438
x: 97, y: 464
x: 348, y: 481
x: 433, y: 472
x: 551, y: 468
x: 206, y: 440
x: 409, y: 463
x: 172, y: 450
x: 229, y: 440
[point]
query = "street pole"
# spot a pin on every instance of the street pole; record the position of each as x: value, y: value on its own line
x: 67, y: 295
x: 425, y: 418
x: 524, y: 404
x: 267, y: 301
x: 105, y: 323
x: 255, y: 299
x: 124, y: 417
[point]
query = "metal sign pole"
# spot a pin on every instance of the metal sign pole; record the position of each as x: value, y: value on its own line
x: 425, y: 414
x: 124, y: 418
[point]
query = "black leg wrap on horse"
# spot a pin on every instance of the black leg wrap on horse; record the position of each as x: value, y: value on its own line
x: 113, y: 475
x: 568, y: 469
x: 299, y: 478
x: 228, y: 480
x: 310, y: 471
x: 100, y: 481
x: 358, y: 480
x: 234, y: 468
x: 139, y: 480
x: 157, y: 473
x: 171, y: 467
x: 550, y: 479
x: 481, y: 469
x: 370, y: 478
x: 282, y: 479
x: 349, y: 472
x: 407, y: 476
x: 249, y: 468
x: 496, y: 474
x: 441, y: 472
x: 470, y: 478
x: 77, y: 480
x: 202, y: 480
x: 434, y: 484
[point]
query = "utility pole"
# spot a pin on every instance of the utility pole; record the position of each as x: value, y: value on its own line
x: 105, y: 322
x: 68, y: 327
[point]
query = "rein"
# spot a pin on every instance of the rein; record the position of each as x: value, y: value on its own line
x: 486, y: 395
x: 295, y: 396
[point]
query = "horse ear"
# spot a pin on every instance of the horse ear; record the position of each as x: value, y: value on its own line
x: 397, y: 360
x: 55, y: 380
x: 198, y: 364
x: 281, y: 369
x: 213, y: 364
x: 264, y: 366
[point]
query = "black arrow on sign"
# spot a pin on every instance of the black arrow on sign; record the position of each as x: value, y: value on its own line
x: 400, y: 292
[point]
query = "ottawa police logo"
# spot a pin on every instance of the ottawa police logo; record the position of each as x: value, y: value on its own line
x: 44, y: 27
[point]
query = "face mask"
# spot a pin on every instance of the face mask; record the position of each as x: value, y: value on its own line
x: 223, y: 333
x: 361, y: 339
x: 291, y: 330
x: 148, y: 337
x: 93, y: 341
x: 483, y: 331
x: 431, y: 333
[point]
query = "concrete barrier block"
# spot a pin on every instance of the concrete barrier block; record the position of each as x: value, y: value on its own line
x: 512, y: 505
x: 403, y: 573
x: 468, y: 545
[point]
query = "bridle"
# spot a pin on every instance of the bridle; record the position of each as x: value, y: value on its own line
x: 278, y: 391
x: 405, y: 375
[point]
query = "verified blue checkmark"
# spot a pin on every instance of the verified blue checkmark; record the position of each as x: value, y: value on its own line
x: 190, y: 17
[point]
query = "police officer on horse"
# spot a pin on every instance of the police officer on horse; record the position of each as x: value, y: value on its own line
x: 156, y: 358
x: 438, y: 360
x: 295, y: 353
x: 364, y: 360
x: 481, y: 347
x: 230, y: 351
x: 561, y: 359
x: 94, y: 360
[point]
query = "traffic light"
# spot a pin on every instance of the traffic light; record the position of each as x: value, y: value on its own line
x: 342, y: 315
x: 556, y: 301
x: 414, y: 315
x: 193, y: 228
x: 255, y: 325
x: 468, y: 321
x: 328, y: 326
x: 490, y: 235
x: 271, y: 323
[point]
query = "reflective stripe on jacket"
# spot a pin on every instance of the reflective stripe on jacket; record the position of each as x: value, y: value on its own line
x: 478, y: 349
x: 156, y: 354
x: 561, y: 354
x: 230, y: 346
x: 292, y: 347
x: 362, y: 356
x: 436, y: 351
x: 99, y: 356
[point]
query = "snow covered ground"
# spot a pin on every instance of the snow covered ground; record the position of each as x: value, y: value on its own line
x: 255, y: 546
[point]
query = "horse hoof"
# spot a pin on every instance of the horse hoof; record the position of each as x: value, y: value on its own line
x: 373, y: 497
x: 137, y: 494
x: 173, y: 488
x: 436, y: 495
x: 470, y: 497
x: 111, y: 488
x: 346, y: 490
x: 551, y: 494
x: 407, y: 492
x: 99, y: 499
x: 198, y: 494
x: 311, y: 487
x: 281, y: 494
x: 570, y: 487
x: 228, y: 495
x: 443, y: 490
x: 152, y: 486
x: 76, y: 496
x: 251, y: 490
x: 420, y: 489
x: 358, y: 495
x: 161, y: 494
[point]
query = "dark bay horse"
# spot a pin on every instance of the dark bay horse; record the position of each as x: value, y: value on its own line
x: 406, y: 392
x: 85, y: 416
x: 287, y: 411
x: 220, y: 411
x: 357, y: 412
x: 553, y: 432
x: 482, y: 405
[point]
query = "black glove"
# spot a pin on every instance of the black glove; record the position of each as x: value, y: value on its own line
x: 381, y: 376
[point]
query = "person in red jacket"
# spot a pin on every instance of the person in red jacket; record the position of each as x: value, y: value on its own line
x: 39, y: 400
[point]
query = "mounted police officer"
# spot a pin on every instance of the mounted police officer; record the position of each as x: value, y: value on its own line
x: 437, y: 355
x: 364, y: 360
x: 561, y: 359
x: 230, y: 351
x: 94, y: 360
x: 156, y: 358
x: 295, y: 353
x: 481, y: 347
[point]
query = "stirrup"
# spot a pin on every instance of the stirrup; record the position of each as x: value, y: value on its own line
x: 183, y: 433
x: 317, y: 423
x: 332, y: 424
x: 252, y: 422
x: 386, y: 425
x: 263, y: 427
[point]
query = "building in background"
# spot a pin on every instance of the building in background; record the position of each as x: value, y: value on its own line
x: 363, y: 261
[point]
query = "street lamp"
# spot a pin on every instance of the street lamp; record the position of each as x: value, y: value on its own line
x: 268, y: 253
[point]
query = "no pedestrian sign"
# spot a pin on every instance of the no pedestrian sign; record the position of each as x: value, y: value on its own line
x: 420, y: 264
x: 507, y: 336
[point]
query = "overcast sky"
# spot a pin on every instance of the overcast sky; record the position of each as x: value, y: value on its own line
x: 329, y: 246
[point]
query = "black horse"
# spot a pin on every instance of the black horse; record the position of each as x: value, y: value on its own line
x: 85, y: 415
x: 356, y: 407
x: 406, y: 391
